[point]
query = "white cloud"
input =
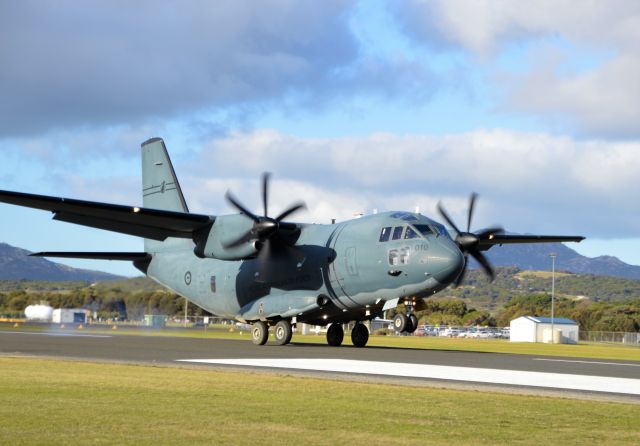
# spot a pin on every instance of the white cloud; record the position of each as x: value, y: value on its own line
x: 527, y: 180
x: 599, y: 97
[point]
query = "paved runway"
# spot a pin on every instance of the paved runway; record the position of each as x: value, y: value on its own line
x: 601, y: 377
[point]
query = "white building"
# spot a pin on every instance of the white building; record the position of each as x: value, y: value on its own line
x: 539, y: 329
x: 69, y: 316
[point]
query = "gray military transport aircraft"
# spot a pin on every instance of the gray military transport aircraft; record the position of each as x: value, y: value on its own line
x: 267, y: 271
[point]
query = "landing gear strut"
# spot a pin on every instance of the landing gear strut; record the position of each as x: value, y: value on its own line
x: 335, y: 335
x: 259, y: 333
x: 359, y: 335
x: 283, y: 332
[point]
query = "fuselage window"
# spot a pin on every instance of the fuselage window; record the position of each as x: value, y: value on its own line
x: 213, y: 284
x: 397, y: 232
x: 385, y: 233
x: 411, y: 233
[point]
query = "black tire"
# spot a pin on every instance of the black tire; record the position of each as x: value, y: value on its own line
x: 359, y: 335
x: 400, y: 322
x: 283, y: 332
x: 414, y: 323
x: 335, y: 335
x: 259, y: 333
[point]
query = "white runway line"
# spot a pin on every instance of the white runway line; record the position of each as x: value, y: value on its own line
x: 49, y: 333
x: 626, y: 386
x: 625, y: 364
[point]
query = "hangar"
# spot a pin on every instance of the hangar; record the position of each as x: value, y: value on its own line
x: 539, y: 329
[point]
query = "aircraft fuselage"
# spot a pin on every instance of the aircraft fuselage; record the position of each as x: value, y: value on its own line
x: 348, y: 271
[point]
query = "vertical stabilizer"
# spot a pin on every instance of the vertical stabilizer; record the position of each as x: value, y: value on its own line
x: 160, y: 187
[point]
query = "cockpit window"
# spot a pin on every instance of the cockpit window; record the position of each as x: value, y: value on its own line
x: 411, y: 233
x: 424, y: 229
x: 441, y: 230
x: 397, y: 232
x: 385, y: 233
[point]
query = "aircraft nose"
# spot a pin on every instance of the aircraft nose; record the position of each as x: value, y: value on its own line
x: 446, y: 261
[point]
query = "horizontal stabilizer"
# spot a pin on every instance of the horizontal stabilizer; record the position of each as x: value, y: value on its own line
x: 127, y: 256
x: 149, y: 223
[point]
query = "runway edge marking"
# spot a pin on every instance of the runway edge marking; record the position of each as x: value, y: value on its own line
x: 626, y: 386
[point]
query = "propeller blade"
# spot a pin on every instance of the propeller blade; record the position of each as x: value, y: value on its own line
x: 447, y: 218
x: 244, y: 238
x: 460, y: 278
x: 482, y: 260
x: 265, y: 190
x: 264, y: 257
x: 472, y: 202
x: 235, y: 203
x: 296, y: 207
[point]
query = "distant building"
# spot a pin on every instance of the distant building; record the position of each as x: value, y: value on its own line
x: 155, y: 320
x: 69, y: 316
x: 538, y: 329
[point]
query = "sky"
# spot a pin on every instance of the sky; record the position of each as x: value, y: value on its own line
x: 354, y: 106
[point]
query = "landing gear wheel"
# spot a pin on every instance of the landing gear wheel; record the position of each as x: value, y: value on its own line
x: 283, y: 332
x: 335, y: 335
x: 414, y: 323
x: 359, y: 335
x: 400, y: 322
x: 259, y: 333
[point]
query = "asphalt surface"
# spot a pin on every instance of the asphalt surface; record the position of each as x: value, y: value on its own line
x: 167, y: 350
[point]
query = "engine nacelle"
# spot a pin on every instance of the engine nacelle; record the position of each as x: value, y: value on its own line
x: 226, y: 229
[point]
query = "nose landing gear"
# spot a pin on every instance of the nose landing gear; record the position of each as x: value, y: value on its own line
x: 405, y: 323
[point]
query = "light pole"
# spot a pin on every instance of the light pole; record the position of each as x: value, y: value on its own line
x: 553, y: 292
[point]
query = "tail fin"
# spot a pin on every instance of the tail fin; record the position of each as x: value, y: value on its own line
x: 160, y: 187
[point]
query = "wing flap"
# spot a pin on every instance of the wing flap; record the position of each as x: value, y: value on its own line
x: 143, y: 222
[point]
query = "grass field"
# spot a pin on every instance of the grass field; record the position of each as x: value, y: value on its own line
x: 57, y: 402
x: 582, y: 350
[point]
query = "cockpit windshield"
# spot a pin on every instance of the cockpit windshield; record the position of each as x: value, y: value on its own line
x: 425, y: 230
x: 441, y: 230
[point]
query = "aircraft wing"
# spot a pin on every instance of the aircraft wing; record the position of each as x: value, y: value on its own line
x: 142, y: 222
x: 490, y: 240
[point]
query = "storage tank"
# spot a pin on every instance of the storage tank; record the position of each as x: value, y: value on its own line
x: 38, y: 313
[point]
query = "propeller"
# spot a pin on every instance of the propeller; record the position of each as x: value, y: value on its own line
x: 265, y: 228
x: 468, y: 241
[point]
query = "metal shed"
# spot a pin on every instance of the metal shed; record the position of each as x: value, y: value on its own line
x: 539, y: 329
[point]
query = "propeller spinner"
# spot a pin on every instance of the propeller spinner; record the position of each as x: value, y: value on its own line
x: 468, y: 241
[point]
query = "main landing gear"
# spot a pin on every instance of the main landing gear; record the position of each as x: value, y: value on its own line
x: 359, y: 335
x: 282, y: 332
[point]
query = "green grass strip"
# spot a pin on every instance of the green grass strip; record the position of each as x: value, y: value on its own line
x: 53, y: 402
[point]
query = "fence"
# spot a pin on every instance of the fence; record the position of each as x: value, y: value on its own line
x: 611, y: 337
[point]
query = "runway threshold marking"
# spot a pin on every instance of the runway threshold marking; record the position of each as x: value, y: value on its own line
x: 70, y: 335
x: 588, y: 362
x: 625, y: 386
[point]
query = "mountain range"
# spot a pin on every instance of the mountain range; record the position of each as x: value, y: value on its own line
x: 536, y: 257
x: 15, y: 263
